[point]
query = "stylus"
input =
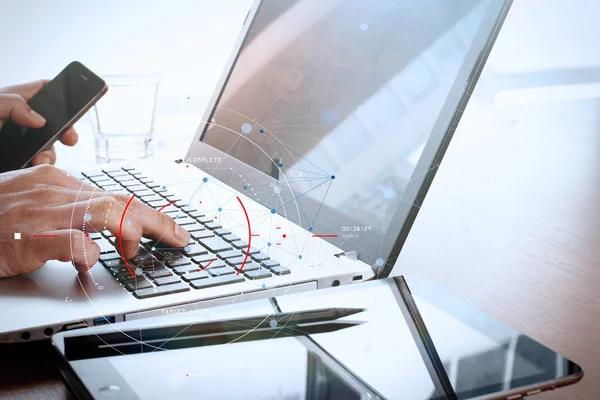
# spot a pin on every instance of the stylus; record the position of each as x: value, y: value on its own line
x: 222, y: 326
x: 81, y: 351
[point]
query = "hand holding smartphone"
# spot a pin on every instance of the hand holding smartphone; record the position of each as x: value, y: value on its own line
x: 62, y: 102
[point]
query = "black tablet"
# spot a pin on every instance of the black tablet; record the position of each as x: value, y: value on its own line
x: 395, y: 338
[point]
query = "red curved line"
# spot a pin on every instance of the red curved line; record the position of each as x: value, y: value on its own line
x: 206, y: 266
x: 165, y: 206
x: 121, y: 237
x: 249, y: 236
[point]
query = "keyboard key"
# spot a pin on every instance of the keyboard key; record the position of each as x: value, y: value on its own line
x: 203, y: 259
x: 201, y: 234
x: 159, y: 273
x: 129, y: 169
x: 194, y: 214
x: 257, y: 274
x: 184, y: 220
x: 113, y: 255
x: 204, y: 219
x: 222, y: 231
x: 238, y: 260
x: 167, y: 280
x: 240, y: 244
x: 194, y: 276
x: 158, y: 203
x: 185, y: 269
x: 215, y: 244
x: 193, y: 227
x: 249, y: 266
x: 221, y: 271
x: 114, y: 263
x: 152, y: 185
x: 229, y: 254
x: 213, y: 264
x: 178, y: 263
x: 137, y: 284
x: 280, y: 270
x: 95, y: 235
x: 269, y: 263
x: 190, y: 209
x: 105, y: 246
x: 171, y: 197
x: 146, y: 180
x: 217, y: 281
x: 93, y: 174
x: 132, y: 184
x: 213, y: 225
x: 195, y: 250
x: 161, y: 290
x: 253, y: 250
x: 259, y: 257
x: 231, y: 238
x: 126, y: 178
x: 111, y: 170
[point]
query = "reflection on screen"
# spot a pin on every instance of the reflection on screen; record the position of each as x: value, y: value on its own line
x: 480, y: 354
x: 338, y: 98
x: 269, y: 369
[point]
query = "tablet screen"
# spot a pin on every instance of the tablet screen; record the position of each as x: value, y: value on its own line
x: 276, y: 369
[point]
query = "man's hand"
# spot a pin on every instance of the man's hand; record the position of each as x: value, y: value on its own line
x: 51, y: 209
x: 13, y: 105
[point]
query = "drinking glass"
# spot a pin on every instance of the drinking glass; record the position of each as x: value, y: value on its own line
x: 123, y: 120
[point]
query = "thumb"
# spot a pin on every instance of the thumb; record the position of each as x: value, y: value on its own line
x: 66, y: 245
x: 13, y: 106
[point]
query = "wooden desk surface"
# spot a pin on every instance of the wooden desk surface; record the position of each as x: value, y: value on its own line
x: 511, y: 225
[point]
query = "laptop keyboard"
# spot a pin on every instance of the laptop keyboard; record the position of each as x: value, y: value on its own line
x: 212, y: 258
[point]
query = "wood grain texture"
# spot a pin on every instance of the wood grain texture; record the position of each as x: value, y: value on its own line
x: 511, y: 225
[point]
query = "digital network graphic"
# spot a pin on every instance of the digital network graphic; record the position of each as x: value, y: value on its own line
x: 322, y: 134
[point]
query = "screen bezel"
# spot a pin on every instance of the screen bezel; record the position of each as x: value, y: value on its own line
x: 426, y: 168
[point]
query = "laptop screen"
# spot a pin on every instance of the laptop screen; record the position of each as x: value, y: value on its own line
x: 343, y: 105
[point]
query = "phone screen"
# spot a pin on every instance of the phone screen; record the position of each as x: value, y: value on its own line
x: 59, y: 102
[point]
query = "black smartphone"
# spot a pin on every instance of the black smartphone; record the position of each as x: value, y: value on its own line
x: 61, y: 102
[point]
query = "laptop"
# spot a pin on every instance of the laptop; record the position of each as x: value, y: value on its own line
x: 307, y: 170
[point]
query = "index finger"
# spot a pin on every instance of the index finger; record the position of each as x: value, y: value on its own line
x: 26, y: 90
x: 127, y: 217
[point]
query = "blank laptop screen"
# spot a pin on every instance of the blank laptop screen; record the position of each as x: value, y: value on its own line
x: 336, y: 100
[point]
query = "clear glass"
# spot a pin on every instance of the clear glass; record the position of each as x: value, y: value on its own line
x: 123, y: 120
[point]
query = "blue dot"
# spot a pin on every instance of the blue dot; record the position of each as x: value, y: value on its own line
x: 263, y: 286
x: 245, y: 187
x: 364, y: 26
x: 187, y: 248
x: 310, y: 228
x: 379, y: 262
x: 220, y: 209
x: 277, y: 189
x: 246, y: 128
x: 280, y: 165
x: 273, y: 323
x: 388, y: 193
x: 164, y: 188
x: 128, y: 222
x: 204, y: 180
x: 269, y: 244
x: 300, y: 257
x: 217, y: 272
x: 273, y: 211
x: 261, y: 131
x: 176, y: 216
x: 332, y: 176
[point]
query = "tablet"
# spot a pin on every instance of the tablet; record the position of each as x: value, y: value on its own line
x: 404, y: 339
